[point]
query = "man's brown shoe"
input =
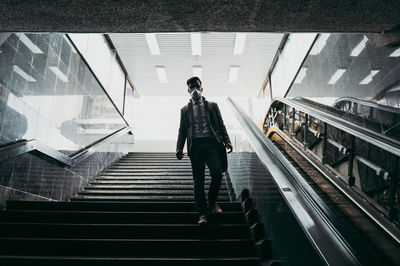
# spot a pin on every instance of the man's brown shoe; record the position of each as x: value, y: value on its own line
x: 202, y: 220
x: 216, y: 210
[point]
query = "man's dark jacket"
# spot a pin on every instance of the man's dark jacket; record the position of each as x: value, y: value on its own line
x: 217, y: 127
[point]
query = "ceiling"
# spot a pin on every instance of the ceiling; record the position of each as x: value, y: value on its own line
x: 215, y: 60
x: 200, y: 15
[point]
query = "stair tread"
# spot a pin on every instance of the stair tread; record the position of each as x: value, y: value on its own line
x: 138, y: 210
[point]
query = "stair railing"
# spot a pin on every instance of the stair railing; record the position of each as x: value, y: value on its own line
x: 53, y: 155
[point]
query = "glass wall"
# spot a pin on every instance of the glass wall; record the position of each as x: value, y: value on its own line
x: 96, y: 51
x: 349, y: 65
x: 48, y: 93
x: 289, y: 61
x: 246, y: 171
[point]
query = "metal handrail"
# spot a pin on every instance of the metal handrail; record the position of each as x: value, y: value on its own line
x: 19, y: 148
x: 389, y: 144
x: 349, y: 192
x: 369, y: 104
x: 310, y: 210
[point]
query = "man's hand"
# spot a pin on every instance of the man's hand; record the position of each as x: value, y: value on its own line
x: 179, y: 155
x: 229, y: 147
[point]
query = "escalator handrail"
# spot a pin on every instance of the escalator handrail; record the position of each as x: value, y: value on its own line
x: 25, y: 146
x: 389, y: 144
x: 307, y: 206
x: 369, y: 104
x: 361, y: 203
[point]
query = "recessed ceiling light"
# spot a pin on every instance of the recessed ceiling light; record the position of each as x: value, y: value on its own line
x: 369, y: 77
x: 59, y: 74
x: 33, y: 47
x: 233, y: 74
x: 396, y: 53
x: 195, y: 38
x: 162, y: 75
x: 152, y: 43
x: 320, y: 43
x: 358, y: 49
x: 336, y: 76
x: 197, y: 71
x: 23, y: 74
x: 240, y: 40
x: 301, y: 75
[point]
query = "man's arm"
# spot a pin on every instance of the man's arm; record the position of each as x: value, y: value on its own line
x: 182, y: 134
x: 222, y: 128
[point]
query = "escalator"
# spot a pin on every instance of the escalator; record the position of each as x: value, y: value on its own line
x: 350, y: 163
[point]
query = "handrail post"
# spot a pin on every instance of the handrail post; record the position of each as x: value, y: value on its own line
x: 293, y: 121
x: 392, y: 188
x: 351, y: 179
x: 284, y: 118
x: 324, y: 141
x: 305, y: 131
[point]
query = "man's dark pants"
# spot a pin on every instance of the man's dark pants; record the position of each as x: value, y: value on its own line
x: 205, y: 151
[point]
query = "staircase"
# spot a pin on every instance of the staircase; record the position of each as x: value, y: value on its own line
x: 139, y: 211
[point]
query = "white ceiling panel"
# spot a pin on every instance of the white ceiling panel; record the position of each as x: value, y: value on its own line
x: 215, y: 60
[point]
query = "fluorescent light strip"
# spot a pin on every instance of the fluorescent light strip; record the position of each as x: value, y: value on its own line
x: 368, y: 78
x: 23, y: 74
x: 240, y: 40
x: 31, y: 46
x: 59, y: 74
x: 233, y: 74
x: 197, y: 71
x: 152, y: 43
x: 301, y: 75
x: 358, y: 49
x: 396, y: 53
x: 336, y: 76
x: 195, y: 38
x: 162, y: 75
x: 320, y: 43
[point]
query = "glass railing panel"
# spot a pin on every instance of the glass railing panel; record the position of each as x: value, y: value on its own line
x: 48, y: 93
x: 351, y: 65
x: 246, y: 171
x: 383, y: 121
x: 364, y: 165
